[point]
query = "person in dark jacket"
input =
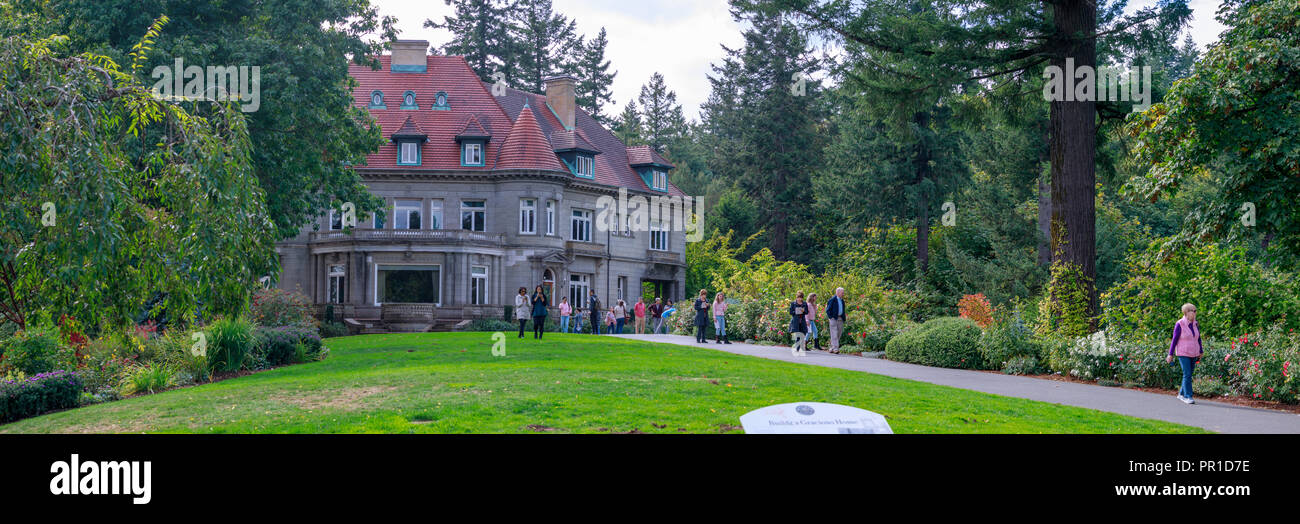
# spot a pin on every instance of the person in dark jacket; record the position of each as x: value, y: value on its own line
x: 798, y: 321
x: 701, y: 316
x: 594, y: 304
x: 539, y: 312
x: 835, y: 318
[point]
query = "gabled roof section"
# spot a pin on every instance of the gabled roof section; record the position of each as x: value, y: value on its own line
x: 410, y: 130
x: 473, y: 130
x: 638, y: 156
x: 527, y: 148
x: 566, y: 140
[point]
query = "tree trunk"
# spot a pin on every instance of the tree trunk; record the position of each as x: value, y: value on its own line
x: 922, y: 164
x: 1073, y: 148
x: 1044, y: 222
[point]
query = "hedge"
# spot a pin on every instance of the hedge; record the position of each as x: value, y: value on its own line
x: 949, y: 342
x: 39, y: 394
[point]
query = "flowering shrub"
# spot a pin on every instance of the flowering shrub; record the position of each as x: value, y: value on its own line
x: 280, y: 345
x: 278, y: 308
x: 1008, y: 338
x: 977, y: 308
x: 38, y: 394
x: 35, y: 350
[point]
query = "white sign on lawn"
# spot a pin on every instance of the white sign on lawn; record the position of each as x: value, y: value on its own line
x: 813, y: 417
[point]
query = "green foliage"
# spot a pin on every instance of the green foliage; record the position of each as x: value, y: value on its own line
x: 1008, y: 339
x: 280, y: 346
x: 149, y: 378
x: 950, y: 342
x: 35, y: 350
x: 1063, y: 310
x: 1023, y: 365
x: 1236, y: 118
x: 38, y: 394
x: 280, y: 308
x: 1232, y: 295
x: 229, y: 341
x: 333, y: 329
x: 151, y: 205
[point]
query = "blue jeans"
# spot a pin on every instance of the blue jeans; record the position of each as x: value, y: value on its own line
x: 720, y: 324
x: 619, y: 326
x: 564, y: 323
x: 812, y: 330
x: 1189, y: 364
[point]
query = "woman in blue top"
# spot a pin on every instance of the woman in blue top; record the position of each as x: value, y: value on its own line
x: 539, y: 312
x: 668, y: 312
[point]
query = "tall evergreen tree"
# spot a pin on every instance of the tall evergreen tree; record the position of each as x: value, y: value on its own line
x: 547, y: 42
x: 481, y: 32
x: 595, y: 79
x: 768, y: 124
x: 980, y: 40
x: 661, y: 114
x: 628, y: 126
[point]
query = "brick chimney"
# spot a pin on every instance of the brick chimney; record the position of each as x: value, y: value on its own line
x: 560, y: 93
x: 410, y: 56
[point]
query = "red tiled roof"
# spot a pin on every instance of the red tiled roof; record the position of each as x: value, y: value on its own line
x: 473, y: 129
x: 465, y: 94
x: 527, y: 147
x: 566, y: 140
x: 410, y: 130
x: 644, y: 156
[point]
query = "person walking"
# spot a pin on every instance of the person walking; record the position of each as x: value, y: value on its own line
x: 811, y: 319
x: 565, y: 312
x: 593, y: 304
x: 539, y: 312
x: 720, y: 318
x: 638, y: 311
x: 835, y: 318
x: 1186, y: 345
x: 668, y: 312
x: 799, y: 322
x: 522, y: 309
x: 701, y: 316
x: 656, y: 311
x: 620, y: 317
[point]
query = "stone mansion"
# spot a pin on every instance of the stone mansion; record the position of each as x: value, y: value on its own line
x: 485, y: 192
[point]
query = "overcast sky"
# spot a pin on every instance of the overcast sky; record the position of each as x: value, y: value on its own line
x: 679, y: 38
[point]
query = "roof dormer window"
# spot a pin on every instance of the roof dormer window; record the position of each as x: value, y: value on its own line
x: 377, y: 100
x: 408, y: 100
x: 440, y: 102
x: 586, y: 166
x: 408, y: 153
x: 471, y: 153
x: 660, y: 180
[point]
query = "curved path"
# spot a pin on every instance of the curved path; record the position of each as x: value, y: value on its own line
x: 1214, y: 416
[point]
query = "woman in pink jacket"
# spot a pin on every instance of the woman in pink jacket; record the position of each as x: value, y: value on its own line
x: 1186, y: 345
x: 565, y: 312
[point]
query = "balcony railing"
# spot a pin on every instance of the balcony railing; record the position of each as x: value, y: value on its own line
x: 407, y: 235
x: 664, y: 257
x: 585, y: 248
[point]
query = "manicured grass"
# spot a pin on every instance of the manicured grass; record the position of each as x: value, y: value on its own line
x: 451, y: 383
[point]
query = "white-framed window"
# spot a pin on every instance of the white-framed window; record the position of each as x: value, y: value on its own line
x: 471, y: 154
x: 622, y: 288
x: 435, y: 214
x: 377, y: 221
x: 550, y: 217
x: 660, y: 180
x: 473, y: 215
x: 478, y: 282
x: 658, y: 238
x: 336, y: 220
x: 579, y: 286
x: 406, y: 214
x: 581, y: 230
x: 408, y: 100
x: 410, y: 153
x: 527, y: 216
x: 586, y: 166
x: 337, y: 284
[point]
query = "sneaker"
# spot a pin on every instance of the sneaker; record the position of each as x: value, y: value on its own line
x: 1186, y: 400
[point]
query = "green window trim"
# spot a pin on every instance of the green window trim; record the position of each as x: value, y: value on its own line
x: 380, y: 105
x: 464, y: 153
x: 445, y: 104
x: 415, y: 103
x: 418, y: 154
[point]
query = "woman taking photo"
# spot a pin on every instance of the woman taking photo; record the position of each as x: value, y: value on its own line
x: 798, y: 321
x: 720, y: 318
x: 539, y: 312
x: 701, y: 316
x: 1186, y: 345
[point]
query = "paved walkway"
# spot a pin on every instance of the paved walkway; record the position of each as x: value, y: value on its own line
x: 1214, y: 416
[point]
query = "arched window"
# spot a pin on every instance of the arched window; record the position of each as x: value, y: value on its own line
x: 377, y: 99
x: 440, y: 101
x: 408, y: 100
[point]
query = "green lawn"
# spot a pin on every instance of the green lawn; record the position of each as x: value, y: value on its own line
x: 451, y: 383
